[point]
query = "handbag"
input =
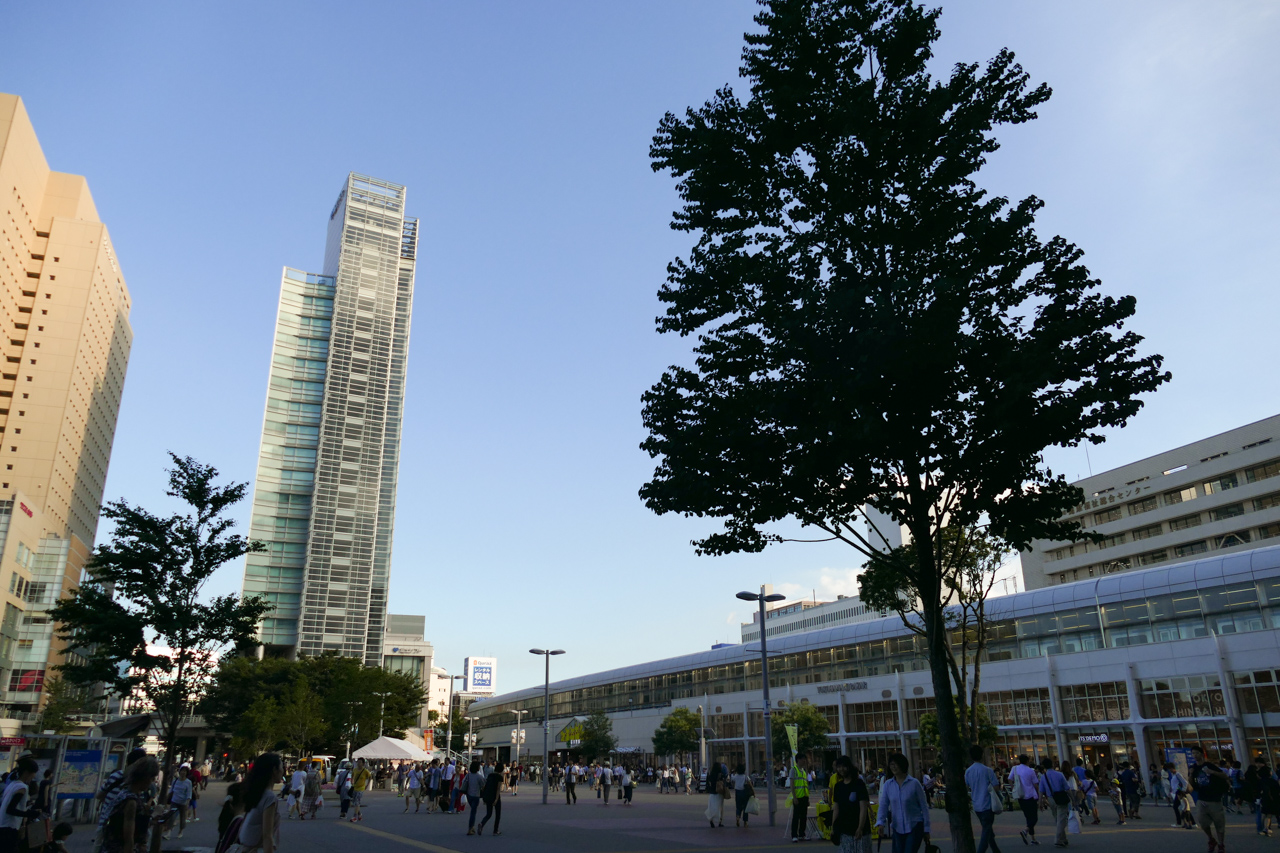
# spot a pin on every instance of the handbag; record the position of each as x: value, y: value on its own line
x: 997, y: 799
x: 37, y: 833
x: 1073, y: 822
x: 752, y: 806
x: 1017, y: 787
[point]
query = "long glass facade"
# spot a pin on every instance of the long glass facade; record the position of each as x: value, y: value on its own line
x: 325, y: 497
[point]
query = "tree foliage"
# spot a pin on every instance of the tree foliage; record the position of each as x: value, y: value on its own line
x: 812, y: 729
x: 598, y: 739
x: 872, y: 328
x: 985, y: 731
x: 62, y: 699
x: 968, y: 561
x: 142, y: 625
x: 311, y: 704
x: 678, y: 733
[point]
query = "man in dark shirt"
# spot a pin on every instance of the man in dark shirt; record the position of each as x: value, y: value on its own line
x: 1129, y: 779
x: 1212, y: 784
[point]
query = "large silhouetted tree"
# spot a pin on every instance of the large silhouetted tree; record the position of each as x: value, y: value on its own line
x: 872, y: 328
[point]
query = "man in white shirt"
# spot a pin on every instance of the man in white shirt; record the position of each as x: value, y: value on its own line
x: 1026, y: 787
x: 571, y: 772
x: 296, y: 784
x: 981, y: 779
x: 606, y: 780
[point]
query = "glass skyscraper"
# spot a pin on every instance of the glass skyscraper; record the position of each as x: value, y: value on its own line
x: 325, y: 496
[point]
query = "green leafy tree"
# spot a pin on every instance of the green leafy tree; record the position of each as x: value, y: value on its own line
x: 986, y: 731
x: 812, y: 729
x: 142, y: 625
x: 61, y: 700
x: 678, y: 733
x: 298, y: 718
x: 597, y: 739
x: 968, y: 560
x: 345, y: 694
x: 871, y: 328
x: 257, y: 728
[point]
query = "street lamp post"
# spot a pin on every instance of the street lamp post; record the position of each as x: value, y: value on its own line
x: 448, y: 738
x: 471, y: 738
x: 768, y: 714
x: 519, y: 716
x: 382, y: 709
x: 546, y: 716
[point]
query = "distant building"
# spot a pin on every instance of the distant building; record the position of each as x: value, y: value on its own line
x: 1219, y: 495
x: 405, y: 649
x: 66, y: 346
x: 798, y: 616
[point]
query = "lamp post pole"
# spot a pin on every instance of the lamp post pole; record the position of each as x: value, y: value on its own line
x: 471, y: 737
x: 768, y: 712
x: 382, y: 710
x: 448, y: 738
x: 519, y: 717
x: 546, y: 716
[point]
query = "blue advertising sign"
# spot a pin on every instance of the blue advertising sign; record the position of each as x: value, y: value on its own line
x: 79, y: 777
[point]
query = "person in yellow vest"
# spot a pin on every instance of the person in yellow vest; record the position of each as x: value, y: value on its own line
x: 799, y: 798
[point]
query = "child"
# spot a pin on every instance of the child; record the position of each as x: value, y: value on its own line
x: 231, y: 806
x: 61, y: 832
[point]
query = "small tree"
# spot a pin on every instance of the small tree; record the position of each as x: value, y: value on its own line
x: 61, y: 700
x: 141, y: 625
x: 968, y: 560
x: 813, y: 728
x: 598, y: 739
x: 985, y: 731
x: 678, y: 733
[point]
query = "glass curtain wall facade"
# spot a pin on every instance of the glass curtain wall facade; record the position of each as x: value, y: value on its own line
x: 337, y: 377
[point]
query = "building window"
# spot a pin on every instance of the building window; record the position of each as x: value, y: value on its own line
x: 1221, y: 484
x: 1191, y: 548
x: 1271, y: 531
x: 1144, y: 505
x: 1109, y: 541
x: 1147, y: 532
x: 1178, y: 496
x: 1228, y: 511
x: 1106, y: 515
x: 1095, y: 703
x: 1182, y: 696
x: 1264, y: 471
x: 1018, y: 707
x: 26, y: 680
x: 1185, y: 522
x: 1231, y: 540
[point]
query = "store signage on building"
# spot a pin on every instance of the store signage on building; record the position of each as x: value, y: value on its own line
x: 1102, y: 738
x: 26, y: 509
x: 847, y: 687
x: 405, y: 650
x: 12, y: 741
x: 572, y: 733
x: 479, y: 675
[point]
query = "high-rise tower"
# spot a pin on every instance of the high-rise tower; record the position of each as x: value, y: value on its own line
x: 325, y: 496
x: 66, y: 343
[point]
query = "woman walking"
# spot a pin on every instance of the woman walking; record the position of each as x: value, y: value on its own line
x: 261, y: 825
x: 492, y: 796
x: 473, y: 788
x: 125, y: 826
x: 742, y: 792
x: 850, y: 819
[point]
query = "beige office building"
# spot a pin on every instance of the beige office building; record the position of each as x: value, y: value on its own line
x: 66, y: 346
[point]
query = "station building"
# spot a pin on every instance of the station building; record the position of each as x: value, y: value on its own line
x: 1120, y: 666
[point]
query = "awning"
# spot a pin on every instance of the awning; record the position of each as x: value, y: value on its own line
x: 125, y: 726
x: 391, y: 748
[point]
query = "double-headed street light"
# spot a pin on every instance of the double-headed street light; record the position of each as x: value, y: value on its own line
x: 519, y: 735
x: 448, y: 738
x: 546, y: 715
x: 471, y: 737
x: 762, y: 598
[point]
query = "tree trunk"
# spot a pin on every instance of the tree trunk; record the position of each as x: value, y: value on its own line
x: 952, y: 744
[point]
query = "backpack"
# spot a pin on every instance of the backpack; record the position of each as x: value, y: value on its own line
x: 490, y: 791
x: 231, y: 836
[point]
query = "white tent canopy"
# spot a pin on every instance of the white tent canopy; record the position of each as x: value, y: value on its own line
x: 391, y: 748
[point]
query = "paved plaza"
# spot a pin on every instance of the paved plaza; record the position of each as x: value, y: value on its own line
x: 656, y: 822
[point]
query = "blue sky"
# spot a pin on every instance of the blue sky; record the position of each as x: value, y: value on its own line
x: 216, y: 136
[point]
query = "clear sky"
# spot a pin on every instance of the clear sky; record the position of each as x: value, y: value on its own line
x: 216, y: 136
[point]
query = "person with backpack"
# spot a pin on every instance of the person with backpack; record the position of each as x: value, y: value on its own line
x: 1053, y: 790
x: 125, y: 825
x: 1089, y: 789
x: 232, y: 807
x: 491, y: 794
x: 111, y: 789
